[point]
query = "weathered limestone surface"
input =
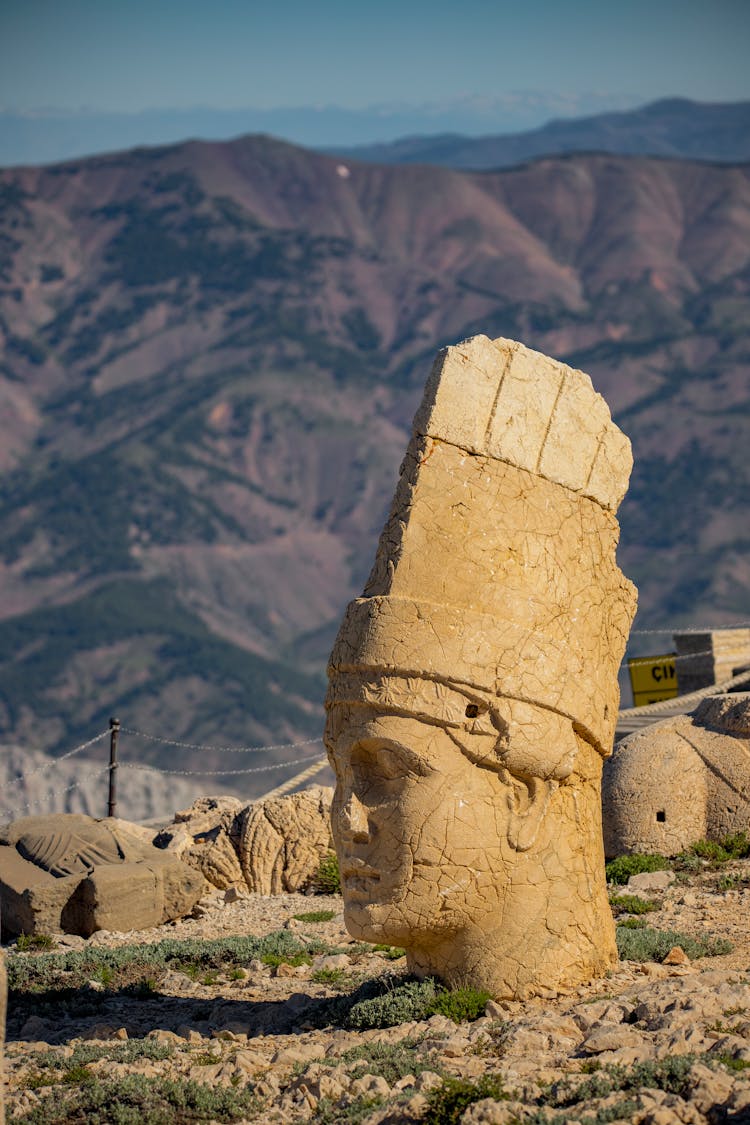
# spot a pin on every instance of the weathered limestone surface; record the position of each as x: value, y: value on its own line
x: 270, y: 847
x: 202, y: 836
x: 71, y: 873
x: 283, y: 840
x: 681, y: 780
x: 473, y: 687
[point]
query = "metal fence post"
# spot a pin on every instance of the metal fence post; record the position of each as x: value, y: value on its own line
x: 114, y: 730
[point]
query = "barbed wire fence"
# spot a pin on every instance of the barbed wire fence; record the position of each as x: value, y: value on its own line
x: 639, y: 716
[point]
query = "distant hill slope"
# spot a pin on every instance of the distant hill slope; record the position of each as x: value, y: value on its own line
x: 211, y: 354
x: 673, y: 127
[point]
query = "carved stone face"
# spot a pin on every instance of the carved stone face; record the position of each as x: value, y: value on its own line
x: 420, y: 830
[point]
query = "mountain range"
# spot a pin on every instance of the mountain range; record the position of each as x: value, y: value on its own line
x: 674, y: 127
x: 44, y: 135
x: 211, y: 353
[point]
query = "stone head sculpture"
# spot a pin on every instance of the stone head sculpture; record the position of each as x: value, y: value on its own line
x: 473, y: 687
x: 684, y: 779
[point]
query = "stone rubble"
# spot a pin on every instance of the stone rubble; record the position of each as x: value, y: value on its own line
x: 252, y: 1033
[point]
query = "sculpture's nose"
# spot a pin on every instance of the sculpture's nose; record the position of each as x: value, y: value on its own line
x: 353, y: 819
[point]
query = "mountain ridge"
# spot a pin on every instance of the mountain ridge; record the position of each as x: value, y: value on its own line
x: 41, y: 137
x: 211, y: 357
x: 670, y: 127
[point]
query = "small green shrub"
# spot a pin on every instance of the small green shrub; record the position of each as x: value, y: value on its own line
x: 734, y: 846
x: 460, y: 1004
x: 671, y: 1075
x: 139, y: 1100
x: 35, y: 1080
x: 78, y: 1076
x: 129, y: 964
x: 391, y: 1061
x: 390, y: 952
x: 103, y: 974
x: 28, y: 943
x: 409, y: 1001
x: 647, y: 944
x: 725, y: 1028
x: 205, y: 1058
x: 447, y: 1104
x: 328, y: 878
x: 330, y: 976
x: 709, y: 849
x: 732, y: 1063
x: 730, y: 881
x: 316, y: 916
x: 84, y: 1053
x: 416, y: 1000
x: 620, y: 869
x: 687, y: 864
x: 295, y: 959
x: 631, y: 904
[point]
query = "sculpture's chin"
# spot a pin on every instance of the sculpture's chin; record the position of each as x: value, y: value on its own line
x: 374, y: 922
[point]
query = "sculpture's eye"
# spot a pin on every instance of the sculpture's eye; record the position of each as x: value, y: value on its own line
x: 472, y: 710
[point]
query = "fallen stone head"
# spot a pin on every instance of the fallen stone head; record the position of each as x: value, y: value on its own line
x: 71, y: 873
x: 473, y: 688
x: 684, y: 779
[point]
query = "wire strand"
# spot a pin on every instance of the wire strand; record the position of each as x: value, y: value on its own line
x: 215, y: 773
x: 219, y: 749
x: 54, y: 761
x: 690, y: 629
x: 11, y: 814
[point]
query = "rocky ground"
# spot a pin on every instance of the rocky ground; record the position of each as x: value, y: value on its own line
x: 655, y: 1043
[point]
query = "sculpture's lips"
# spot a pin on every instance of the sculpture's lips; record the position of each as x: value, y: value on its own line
x: 358, y: 879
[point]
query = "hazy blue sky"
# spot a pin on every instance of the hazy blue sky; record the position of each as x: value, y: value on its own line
x: 134, y: 54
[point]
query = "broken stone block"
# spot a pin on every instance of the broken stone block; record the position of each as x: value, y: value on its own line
x: 74, y: 874
x: 283, y: 839
x: 473, y: 687
x: 708, y: 658
x: 270, y: 847
x: 202, y: 836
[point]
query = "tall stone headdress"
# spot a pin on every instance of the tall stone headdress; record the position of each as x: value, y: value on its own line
x: 496, y: 570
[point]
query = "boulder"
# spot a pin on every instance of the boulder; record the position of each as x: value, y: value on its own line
x: 202, y: 836
x: 270, y: 847
x: 281, y: 840
x: 681, y: 780
x: 71, y: 873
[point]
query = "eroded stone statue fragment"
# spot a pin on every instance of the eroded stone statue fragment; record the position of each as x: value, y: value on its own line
x: 473, y: 687
x: 679, y: 781
x: 68, y: 872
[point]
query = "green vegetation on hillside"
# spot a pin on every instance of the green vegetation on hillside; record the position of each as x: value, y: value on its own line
x: 153, y: 634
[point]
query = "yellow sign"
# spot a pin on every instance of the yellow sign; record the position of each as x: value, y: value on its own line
x: 652, y: 678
